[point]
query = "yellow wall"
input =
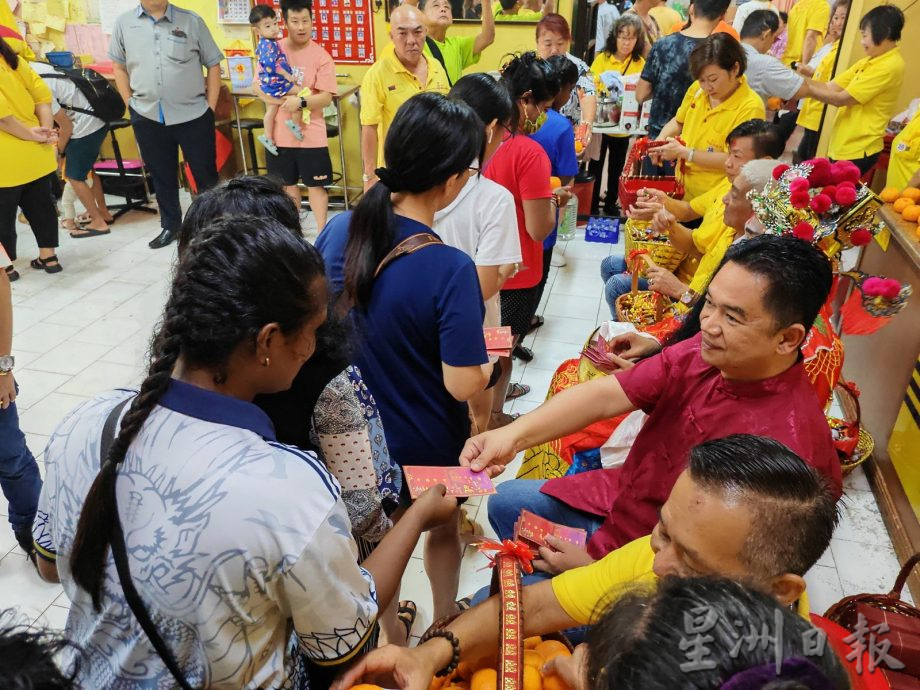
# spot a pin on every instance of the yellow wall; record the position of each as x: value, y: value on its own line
x: 851, y: 51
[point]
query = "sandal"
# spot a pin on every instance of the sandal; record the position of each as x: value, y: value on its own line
x: 525, y: 354
x: 49, y: 265
x: 88, y: 232
x: 11, y: 273
x: 407, y: 613
x: 535, y: 323
x: 517, y: 390
x: 502, y: 419
x: 465, y: 604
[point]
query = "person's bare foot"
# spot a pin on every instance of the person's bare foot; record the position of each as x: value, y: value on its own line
x: 70, y: 225
x: 500, y: 419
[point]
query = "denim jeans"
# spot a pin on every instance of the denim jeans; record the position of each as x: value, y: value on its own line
x: 616, y: 281
x: 19, y: 477
x: 515, y: 495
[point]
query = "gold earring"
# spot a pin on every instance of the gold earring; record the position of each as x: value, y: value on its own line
x: 266, y: 362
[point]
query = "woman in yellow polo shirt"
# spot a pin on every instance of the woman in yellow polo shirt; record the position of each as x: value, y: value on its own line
x: 904, y: 166
x: 866, y: 93
x: 820, y: 69
x: 623, y: 53
x: 717, y: 102
x: 27, y: 140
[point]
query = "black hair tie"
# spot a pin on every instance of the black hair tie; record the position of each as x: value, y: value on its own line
x: 390, y: 179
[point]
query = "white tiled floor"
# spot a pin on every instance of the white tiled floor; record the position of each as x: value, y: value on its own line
x: 87, y: 329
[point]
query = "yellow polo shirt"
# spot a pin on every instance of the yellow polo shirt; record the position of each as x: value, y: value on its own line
x: 810, y: 113
x: 905, y: 154
x: 705, y: 128
x: 585, y: 593
x: 875, y: 83
x: 387, y: 85
x: 523, y: 15
x: 713, y: 238
x: 20, y: 91
x: 805, y: 16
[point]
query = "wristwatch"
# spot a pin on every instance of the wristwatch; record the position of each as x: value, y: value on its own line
x: 688, y: 298
x: 6, y: 364
x: 303, y: 103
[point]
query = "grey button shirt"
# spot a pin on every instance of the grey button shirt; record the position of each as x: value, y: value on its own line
x: 770, y: 77
x: 164, y: 58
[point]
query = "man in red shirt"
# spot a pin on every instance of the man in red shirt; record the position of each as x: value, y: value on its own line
x: 741, y: 374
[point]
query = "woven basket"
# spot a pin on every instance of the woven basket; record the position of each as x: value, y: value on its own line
x: 642, y: 307
x: 659, y: 249
x: 632, y: 179
x: 854, y: 444
x: 844, y: 611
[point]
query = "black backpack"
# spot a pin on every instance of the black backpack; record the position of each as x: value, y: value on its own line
x: 104, y: 100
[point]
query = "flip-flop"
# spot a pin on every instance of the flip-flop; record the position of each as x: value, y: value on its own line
x: 465, y: 604
x: 407, y: 613
x: 89, y: 232
x: 517, y: 390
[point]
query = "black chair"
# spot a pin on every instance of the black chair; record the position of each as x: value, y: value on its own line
x: 127, y: 178
x: 249, y: 125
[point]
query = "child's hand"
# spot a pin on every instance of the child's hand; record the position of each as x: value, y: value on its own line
x: 435, y: 508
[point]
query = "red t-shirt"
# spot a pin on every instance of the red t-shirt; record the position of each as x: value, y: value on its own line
x: 522, y: 167
x: 688, y: 402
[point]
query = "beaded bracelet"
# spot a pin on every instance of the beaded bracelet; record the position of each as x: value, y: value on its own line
x: 455, y: 643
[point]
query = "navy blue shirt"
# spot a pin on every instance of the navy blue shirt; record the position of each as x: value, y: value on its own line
x: 425, y: 308
x: 667, y: 69
x: 557, y: 137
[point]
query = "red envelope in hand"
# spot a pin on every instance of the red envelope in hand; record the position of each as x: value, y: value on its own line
x: 460, y: 481
x: 533, y: 529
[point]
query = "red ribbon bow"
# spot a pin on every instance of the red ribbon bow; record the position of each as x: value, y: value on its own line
x: 516, y: 549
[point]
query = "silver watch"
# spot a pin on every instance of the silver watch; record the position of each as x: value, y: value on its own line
x: 6, y: 363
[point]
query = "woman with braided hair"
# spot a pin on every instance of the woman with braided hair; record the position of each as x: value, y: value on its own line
x: 202, y: 541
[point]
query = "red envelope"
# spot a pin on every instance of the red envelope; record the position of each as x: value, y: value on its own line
x: 498, y: 338
x: 460, y: 481
x: 533, y: 529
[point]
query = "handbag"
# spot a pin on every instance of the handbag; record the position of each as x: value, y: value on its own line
x: 120, y: 555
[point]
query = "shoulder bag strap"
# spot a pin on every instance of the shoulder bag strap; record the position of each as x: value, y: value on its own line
x: 410, y: 245
x: 437, y: 55
x: 120, y: 554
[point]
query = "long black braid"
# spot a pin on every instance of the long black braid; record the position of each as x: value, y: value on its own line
x: 236, y: 276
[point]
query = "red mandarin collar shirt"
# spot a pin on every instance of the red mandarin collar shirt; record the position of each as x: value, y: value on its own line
x: 689, y: 402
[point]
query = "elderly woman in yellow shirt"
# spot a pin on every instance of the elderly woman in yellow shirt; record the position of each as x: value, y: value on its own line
x: 622, y: 53
x: 717, y: 102
x: 867, y: 92
x: 27, y: 150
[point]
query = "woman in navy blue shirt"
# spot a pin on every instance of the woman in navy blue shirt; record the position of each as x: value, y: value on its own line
x: 419, y: 318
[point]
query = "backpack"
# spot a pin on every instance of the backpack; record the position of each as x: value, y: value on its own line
x: 104, y: 100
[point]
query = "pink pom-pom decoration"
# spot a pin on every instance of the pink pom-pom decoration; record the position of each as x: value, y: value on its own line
x: 830, y: 190
x: 888, y: 288
x: 821, y: 172
x: 799, y: 184
x: 860, y: 237
x: 845, y: 196
x: 845, y: 171
x: 804, y: 231
x: 821, y: 203
x: 779, y: 170
x: 799, y: 199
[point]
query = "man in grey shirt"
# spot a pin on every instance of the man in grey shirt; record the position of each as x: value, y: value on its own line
x: 768, y: 76
x: 159, y: 51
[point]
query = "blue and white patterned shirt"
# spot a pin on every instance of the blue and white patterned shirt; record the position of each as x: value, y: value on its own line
x: 231, y: 538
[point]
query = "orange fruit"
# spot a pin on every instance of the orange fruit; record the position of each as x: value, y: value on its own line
x: 911, y: 213
x: 554, y: 681
x: 484, y: 679
x: 911, y: 193
x: 890, y: 194
x: 464, y: 670
x: 555, y: 182
x: 532, y: 678
x: 902, y: 203
x: 532, y: 658
x: 532, y: 642
x: 774, y: 103
x: 552, y: 648
x: 579, y: 147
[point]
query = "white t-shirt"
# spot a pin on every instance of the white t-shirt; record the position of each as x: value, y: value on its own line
x: 65, y: 93
x: 233, y: 541
x: 482, y: 223
x: 745, y: 10
x: 607, y: 14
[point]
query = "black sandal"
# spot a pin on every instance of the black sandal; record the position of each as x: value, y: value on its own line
x: 41, y: 264
x: 11, y: 273
x: 535, y: 323
x: 407, y: 613
x: 525, y: 354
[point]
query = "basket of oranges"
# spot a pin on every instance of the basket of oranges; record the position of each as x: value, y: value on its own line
x: 518, y: 663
